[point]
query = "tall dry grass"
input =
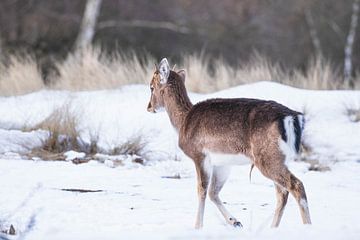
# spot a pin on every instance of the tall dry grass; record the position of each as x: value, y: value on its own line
x: 20, y: 75
x: 92, y: 69
x: 206, y: 75
x: 320, y: 74
x: 62, y: 125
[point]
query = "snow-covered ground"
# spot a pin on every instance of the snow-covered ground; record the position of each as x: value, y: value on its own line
x: 142, y: 201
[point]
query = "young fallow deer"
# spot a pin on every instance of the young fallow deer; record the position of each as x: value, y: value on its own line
x: 217, y: 133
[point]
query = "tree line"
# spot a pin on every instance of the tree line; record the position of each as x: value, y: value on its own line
x: 289, y: 32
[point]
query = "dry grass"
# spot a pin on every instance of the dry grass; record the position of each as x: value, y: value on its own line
x: 198, y: 78
x: 258, y: 68
x: 63, y: 134
x: 20, y: 75
x: 307, y: 155
x: 207, y: 76
x: 320, y: 75
x: 134, y: 146
x: 92, y: 69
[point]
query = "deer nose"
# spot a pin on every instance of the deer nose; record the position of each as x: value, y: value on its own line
x: 150, y: 108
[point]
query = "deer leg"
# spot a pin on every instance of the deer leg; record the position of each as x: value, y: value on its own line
x: 282, y: 196
x: 297, y: 189
x: 274, y: 169
x: 218, y: 179
x: 293, y: 185
x: 203, y: 175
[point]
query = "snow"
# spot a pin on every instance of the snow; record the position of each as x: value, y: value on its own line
x: 42, y: 199
x: 71, y: 155
x: 140, y: 202
x: 113, y: 116
x: 19, y: 142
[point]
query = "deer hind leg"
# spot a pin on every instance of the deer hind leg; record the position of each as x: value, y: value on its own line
x: 282, y: 197
x: 287, y: 180
x: 218, y: 179
x: 203, y: 171
x: 272, y: 166
x: 296, y: 188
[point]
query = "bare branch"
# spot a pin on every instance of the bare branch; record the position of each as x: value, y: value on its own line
x: 145, y: 24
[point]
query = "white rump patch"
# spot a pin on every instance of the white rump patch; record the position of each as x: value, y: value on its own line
x: 222, y: 159
x: 288, y: 147
x: 286, y: 150
x: 290, y: 132
x: 301, y: 120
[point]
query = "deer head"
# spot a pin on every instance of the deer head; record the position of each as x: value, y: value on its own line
x: 159, y: 84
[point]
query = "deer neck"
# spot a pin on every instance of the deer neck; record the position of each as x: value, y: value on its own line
x: 177, y: 104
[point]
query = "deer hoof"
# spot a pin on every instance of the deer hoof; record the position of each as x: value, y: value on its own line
x: 237, y: 224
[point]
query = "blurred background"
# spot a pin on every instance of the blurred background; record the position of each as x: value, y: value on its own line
x: 286, y: 36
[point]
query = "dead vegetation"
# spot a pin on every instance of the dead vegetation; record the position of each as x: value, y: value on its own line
x: 20, y: 75
x: 64, y: 136
x: 209, y: 76
x: 92, y: 69
x: 135, y: 145
x: 307, y: 155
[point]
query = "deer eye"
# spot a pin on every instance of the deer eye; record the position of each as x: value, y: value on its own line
x: 151, y: 88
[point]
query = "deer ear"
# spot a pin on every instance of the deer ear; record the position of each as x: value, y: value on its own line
x: 164, y: 69
x: 182, y: 74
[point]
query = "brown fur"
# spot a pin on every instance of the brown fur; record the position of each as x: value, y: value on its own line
x: 232, y: 126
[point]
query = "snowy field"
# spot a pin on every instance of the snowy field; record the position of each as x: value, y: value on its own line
x: 147, y: 201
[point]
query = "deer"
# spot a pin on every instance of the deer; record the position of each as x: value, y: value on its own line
x: 221, y: 132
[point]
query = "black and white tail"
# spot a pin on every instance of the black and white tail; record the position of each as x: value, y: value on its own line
x: 291, y: 128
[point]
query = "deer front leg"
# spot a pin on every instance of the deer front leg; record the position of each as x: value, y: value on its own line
x: 203, y: 170
x: 218, y: 179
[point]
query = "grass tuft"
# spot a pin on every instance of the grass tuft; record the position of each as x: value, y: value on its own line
x: 134, y: 146
x: 63, y: 134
